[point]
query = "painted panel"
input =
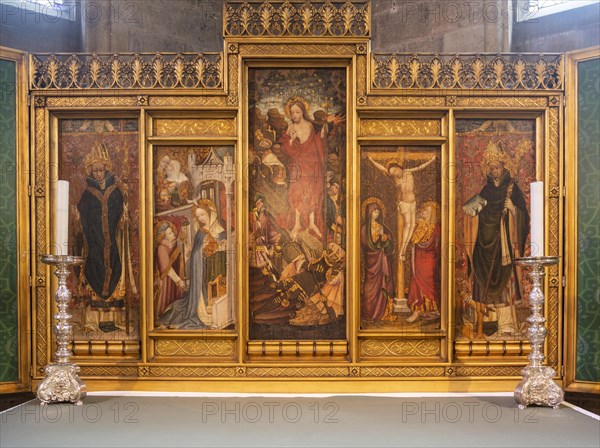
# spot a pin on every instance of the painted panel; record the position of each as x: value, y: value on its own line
x: 194, y: 238
x: 297, y: 195
x: 400, y: 238
x: 495, y: 163
x: 99, y: 157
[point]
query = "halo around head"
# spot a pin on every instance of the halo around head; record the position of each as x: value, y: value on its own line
x: 294, y: 100
x: 369, y: 201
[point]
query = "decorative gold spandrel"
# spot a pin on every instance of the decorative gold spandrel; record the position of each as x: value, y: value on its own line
x: 500, y: 101
x: 109, y: 371
x: 479, y: 71
x: 297, y: 19
x: 391, y: 127
x: 196, y: 127
x: 401, y: 372
x: 490, y: 371
x: 126, y: 71
x: 187, y: 101
x: 95, y: 102
x: 372, y: 348
x: 174, y: 347
x: 297, y: 372
x: 403, y: 101
x: 192, y: 372
x: 254, y: 49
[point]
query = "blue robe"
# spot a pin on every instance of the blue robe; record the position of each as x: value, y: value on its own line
x: 184, y: 312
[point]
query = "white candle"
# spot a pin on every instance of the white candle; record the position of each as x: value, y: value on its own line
x: 537, y: 219
x: 61, y: 229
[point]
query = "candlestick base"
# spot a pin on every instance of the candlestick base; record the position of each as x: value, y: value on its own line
x: 538, y: 387
x: 62, y: 384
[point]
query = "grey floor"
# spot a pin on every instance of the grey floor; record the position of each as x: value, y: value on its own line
x: 274, y: 421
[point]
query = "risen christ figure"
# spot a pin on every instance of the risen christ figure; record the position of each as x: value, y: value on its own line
x: 405, y: 183
x: 306, y: 150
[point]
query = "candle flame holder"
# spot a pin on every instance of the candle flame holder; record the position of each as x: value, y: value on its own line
x: 62, y: 382
x: 537, y: 386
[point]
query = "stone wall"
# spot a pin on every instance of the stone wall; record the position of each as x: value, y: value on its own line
x: 419, y: 26
x: 566, y: 31
x: 441, y: 26
x: 148, y: 26
x: 40, y: 28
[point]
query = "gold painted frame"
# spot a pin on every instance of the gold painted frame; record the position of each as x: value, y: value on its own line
x: 175, y: 128
x: 337, y: 350
x: 401, y: 128
x: 179, y: 115
x: 511, y: 350
x: 24, y: 252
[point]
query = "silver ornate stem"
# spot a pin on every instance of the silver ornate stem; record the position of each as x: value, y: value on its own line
x: 62, y: 382
x: 537, y: 386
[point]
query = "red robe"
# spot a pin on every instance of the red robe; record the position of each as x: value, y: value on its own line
x: 306, y: 172
x: 167, y: 257
x: 423, y: 292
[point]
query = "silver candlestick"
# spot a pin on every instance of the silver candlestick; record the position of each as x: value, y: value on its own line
x: 62, y: 382
x: 537, y: 386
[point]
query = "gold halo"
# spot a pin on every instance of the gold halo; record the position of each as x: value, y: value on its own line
x: 366, y: 203
x: 295, y: 99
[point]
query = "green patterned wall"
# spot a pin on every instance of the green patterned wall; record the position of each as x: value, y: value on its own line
x: 9, y: 353
x: 588, y: 222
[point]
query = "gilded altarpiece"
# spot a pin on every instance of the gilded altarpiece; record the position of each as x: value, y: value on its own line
x: 212, y: 206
